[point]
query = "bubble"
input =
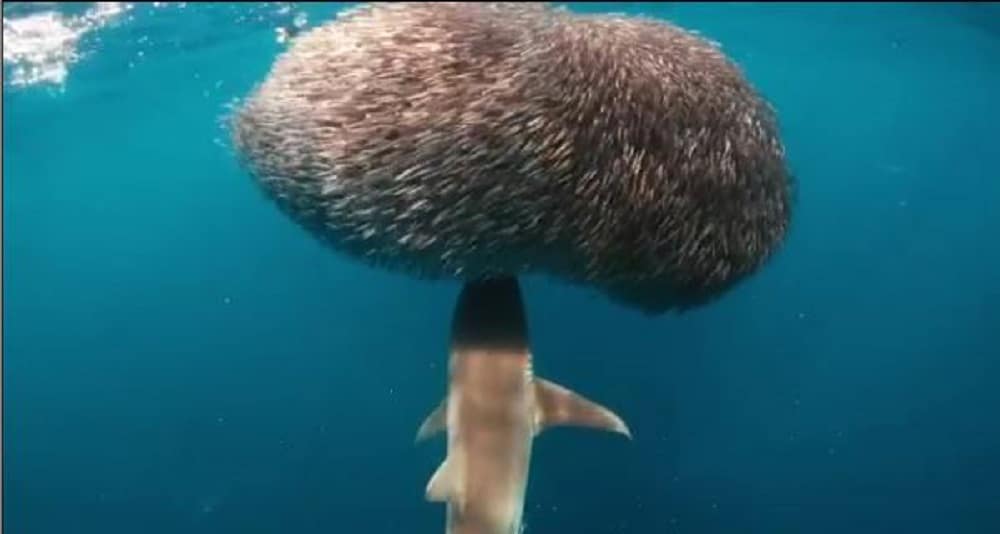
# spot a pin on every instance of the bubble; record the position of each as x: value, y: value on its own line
x: 301, y: 19
x: 281, y: 35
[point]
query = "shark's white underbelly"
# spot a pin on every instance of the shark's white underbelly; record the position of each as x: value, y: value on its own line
x: 490, y: 436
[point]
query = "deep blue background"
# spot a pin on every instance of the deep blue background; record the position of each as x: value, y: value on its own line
x: 180, y: 357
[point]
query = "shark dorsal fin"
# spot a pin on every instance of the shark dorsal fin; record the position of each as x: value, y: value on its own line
x: 435, y: 423
x: 559, y: 406
x: 446, y: 485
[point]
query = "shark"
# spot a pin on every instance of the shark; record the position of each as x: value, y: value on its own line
x: 494, y: 409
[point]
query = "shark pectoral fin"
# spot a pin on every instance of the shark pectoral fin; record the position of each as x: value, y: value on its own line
x: 446, y: 485
x: 436, y: 422
x: 558, y: 406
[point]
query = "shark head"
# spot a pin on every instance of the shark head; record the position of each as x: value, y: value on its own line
x: 489, y: 315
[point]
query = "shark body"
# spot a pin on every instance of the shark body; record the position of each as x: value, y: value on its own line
x: 493, y: 410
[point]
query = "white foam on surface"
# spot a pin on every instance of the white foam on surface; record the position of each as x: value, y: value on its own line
x: 41, y: 47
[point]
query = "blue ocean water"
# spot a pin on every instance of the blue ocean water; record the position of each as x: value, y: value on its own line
x: 180, y: 357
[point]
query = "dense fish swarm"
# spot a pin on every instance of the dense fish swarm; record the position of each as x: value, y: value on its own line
x: 475, y: 140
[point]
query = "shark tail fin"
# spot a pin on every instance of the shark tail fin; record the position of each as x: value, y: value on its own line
x: 559, y: 406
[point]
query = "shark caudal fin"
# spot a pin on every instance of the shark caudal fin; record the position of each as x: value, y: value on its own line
x: 435, y: 423
x: 559, y: 406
